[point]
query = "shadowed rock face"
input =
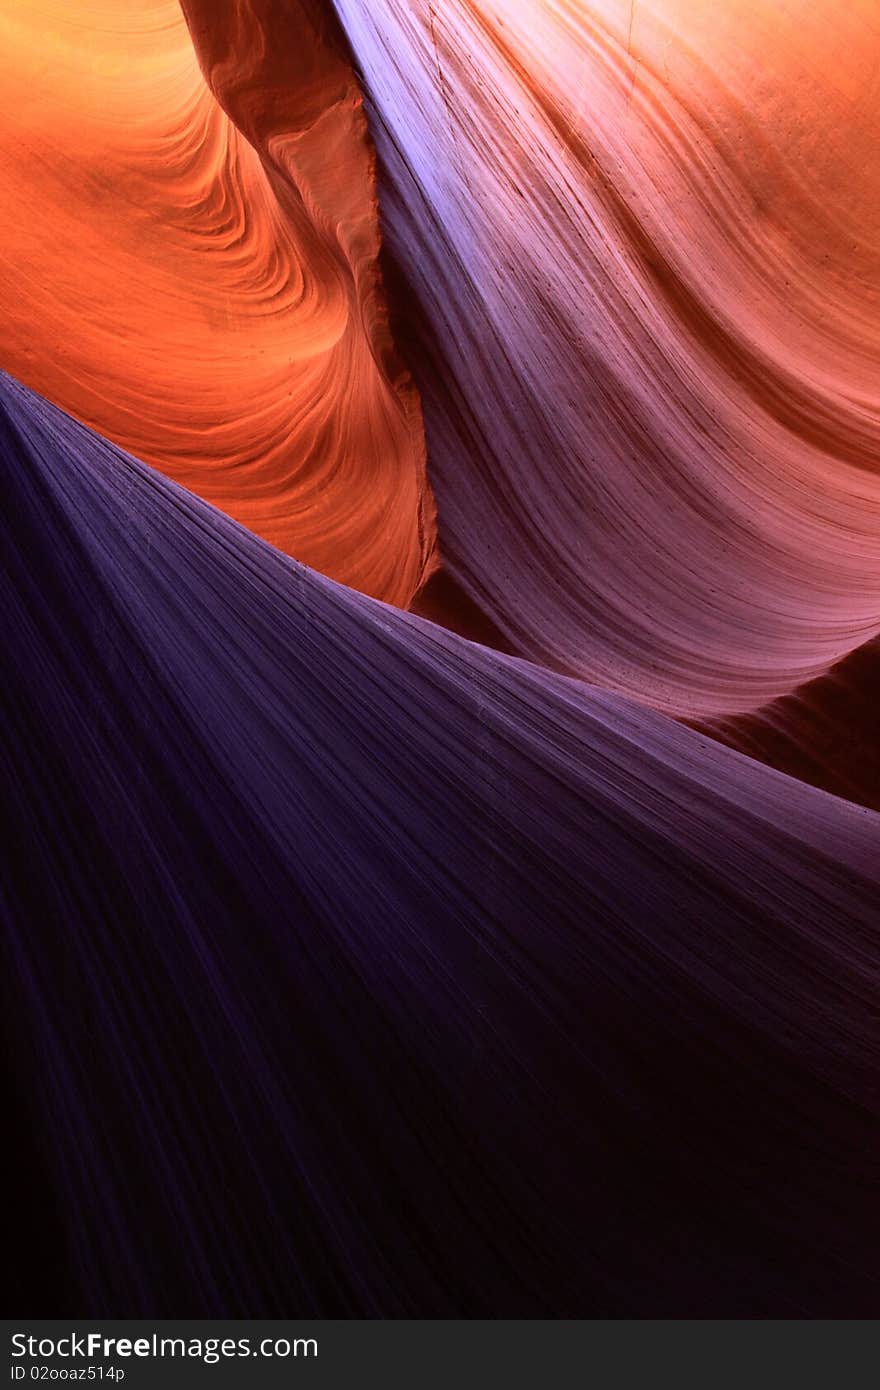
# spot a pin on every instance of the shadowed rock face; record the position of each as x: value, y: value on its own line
x: 640, y: 247
x: 375, y: 972
x: 826, y: 733
x: 188, y: 262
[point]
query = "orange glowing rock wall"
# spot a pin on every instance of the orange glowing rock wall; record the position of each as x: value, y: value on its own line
x: 190, y: 266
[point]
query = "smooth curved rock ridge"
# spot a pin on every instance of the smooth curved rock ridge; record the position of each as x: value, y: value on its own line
x: 199, y: 281
x: 361, y: 969
x: 640, y: 262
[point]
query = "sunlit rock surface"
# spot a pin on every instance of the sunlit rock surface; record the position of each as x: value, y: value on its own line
x: 199, y: 281
x: 640, y: 249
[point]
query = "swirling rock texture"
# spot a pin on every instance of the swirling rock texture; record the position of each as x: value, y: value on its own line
x: 192, y: 269
x: 641, y: 247
x: 356, y: 967
x: 401, y: 976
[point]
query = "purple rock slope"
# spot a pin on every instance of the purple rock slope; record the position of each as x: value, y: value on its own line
x: 357, y: 969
